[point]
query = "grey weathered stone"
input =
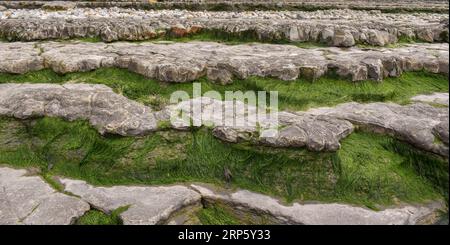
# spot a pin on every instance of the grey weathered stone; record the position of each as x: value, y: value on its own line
x: 321, y: 214
x: 441, y: 131
x: 2, y: 8
x: 435, y: 98
x: 20, y: 58
x: 29, y: 200
x: 413, y: 123
x: 377, y: 7
x: 318, y: 129
x: 343, y: 38
x: 147, y: 205
x: 333, y: 27
x: 104, y: 109
x: 184, y: 62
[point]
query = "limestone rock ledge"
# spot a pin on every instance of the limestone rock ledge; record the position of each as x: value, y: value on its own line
x: 319, y: 129
x: 341, y: 28
x: 29, y: 200
x: 186, y: 62
x: 320, y: 214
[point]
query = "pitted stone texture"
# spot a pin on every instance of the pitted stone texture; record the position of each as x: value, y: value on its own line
x: 29, y: 200
x: 435, y: 98
x: 419, y: 124
x: 321, y: 214
x: 147, y: 205
x: 184, y: 62
x: 104, y: 109
x: 333, y: 27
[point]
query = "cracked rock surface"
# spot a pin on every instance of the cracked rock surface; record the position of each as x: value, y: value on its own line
x: 184, y: 62
x: 320, y: 214
x: 343, y: 28
x: 147, y: 205
x: 31, y: 201
x: 320, y: 129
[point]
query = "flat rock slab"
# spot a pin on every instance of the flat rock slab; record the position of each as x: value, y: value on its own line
x: 31, y: 201
x: 147, y: 205
x: 435, y: 98
x: 342, y: 28
x: 185, y: 62
x: 320, y: 129
x: 320, y: 214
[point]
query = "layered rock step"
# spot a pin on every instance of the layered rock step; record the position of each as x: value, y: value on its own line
x: 185, y: 62
x: 242, y: 5
x: 343, y: 28
x: 320, y: 214
x: 422, y: 125
x: 29, y: 200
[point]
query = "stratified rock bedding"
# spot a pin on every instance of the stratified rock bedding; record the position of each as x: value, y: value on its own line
x: 184, y: 62
x: 343, y: 28
x: 320, y: 129
x: 29, y: 200
x: 246, y: 5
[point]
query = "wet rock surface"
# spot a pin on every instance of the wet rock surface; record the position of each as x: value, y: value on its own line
x: 342, y: 28
x: 184, y: 62
x: 319, y: 129
x: 31, y: 201
x: 146, y: 205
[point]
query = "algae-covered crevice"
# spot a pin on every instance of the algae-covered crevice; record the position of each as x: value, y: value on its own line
x: 371, y: 170
x: 98, y: 217
x: 292, y: 95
